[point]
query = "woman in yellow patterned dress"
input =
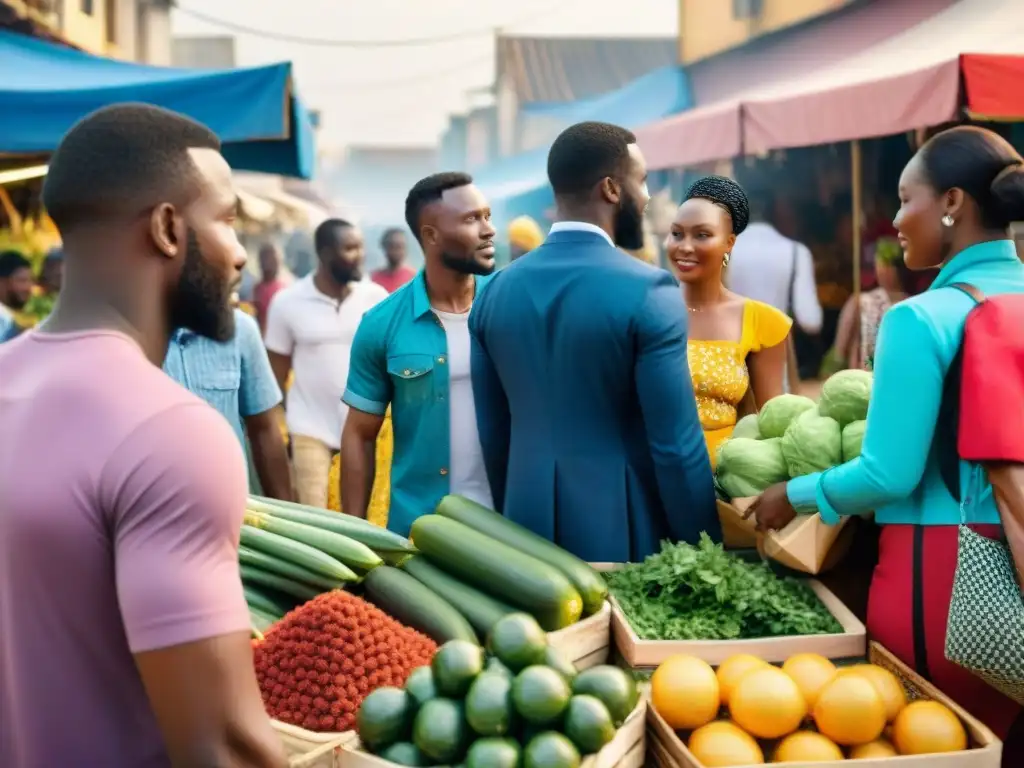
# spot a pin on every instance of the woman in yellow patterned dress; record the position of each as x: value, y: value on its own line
x: 737, y: 346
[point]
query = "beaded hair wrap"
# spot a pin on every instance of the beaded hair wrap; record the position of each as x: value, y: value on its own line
x: 726, y: 194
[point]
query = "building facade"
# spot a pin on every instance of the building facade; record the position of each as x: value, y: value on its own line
x: 708, y: 28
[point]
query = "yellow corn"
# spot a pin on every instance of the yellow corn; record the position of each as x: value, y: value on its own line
x: 380, y: 497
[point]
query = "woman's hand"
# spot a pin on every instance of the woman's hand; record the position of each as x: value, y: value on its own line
x: 772, y: 509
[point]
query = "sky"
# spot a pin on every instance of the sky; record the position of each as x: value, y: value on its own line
x: 403, y: 95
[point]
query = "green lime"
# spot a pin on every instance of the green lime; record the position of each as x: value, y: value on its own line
x: 518, y: 640
x: 404, y: 753
x: 384, y: 718
x: 550, y: 750
x: 493, y: 753
x: 540, y: 695
x: 489, y: 708
x: 420, y: 685
x: 440, y: 731
x: 455, y: 666
x: 616, y: 690
x: 588, y: 724
x: 558, y: 661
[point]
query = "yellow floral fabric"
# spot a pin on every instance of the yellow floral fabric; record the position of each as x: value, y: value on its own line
x: 380, y: 497
x: 719, y: 369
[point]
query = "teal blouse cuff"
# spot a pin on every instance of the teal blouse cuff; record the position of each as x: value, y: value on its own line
x: 807, y: 495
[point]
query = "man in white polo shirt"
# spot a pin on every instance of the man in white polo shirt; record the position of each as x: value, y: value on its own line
x: 310, y: 327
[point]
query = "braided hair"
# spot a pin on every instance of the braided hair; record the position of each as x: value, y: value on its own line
x: 726, y: 194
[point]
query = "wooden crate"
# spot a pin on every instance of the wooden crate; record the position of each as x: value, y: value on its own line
x: 667, y: 750
x: 587, y: 642
x: 308, y: 749
x: 626, y: 750
x: 851, y: 642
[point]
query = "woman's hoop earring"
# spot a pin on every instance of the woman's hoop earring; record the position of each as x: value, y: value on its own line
x: 947, y: 221
x: 725, y: 259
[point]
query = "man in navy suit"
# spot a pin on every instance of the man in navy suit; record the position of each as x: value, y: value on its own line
x: 585, y: 409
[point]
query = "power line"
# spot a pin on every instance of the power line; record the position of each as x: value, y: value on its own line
x: 423, y: 77
x: 322, y: 42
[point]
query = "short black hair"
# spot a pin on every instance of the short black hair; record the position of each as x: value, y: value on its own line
x: 11, y: 262
x: 725, y: 193
x: 326, y: 235
x: 984, y: 165
x: 121, y: 157
x: 389, y: 232
x: 585, y: 153
x: 429, y: 190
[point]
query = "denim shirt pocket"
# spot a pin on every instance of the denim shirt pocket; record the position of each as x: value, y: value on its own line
x: 412, y: 376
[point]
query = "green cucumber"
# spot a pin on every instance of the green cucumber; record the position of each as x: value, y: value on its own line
x: 588, y: 582
x: 259, y: 620
x: 259, y: 577
x: 262, y: 601
x: 380, y: 540
x: 404, y: 598
x: 482, y: 610
x: 302, y: 554
x: 520, y: 579
x: 288, y: 569
x: 349, y: 552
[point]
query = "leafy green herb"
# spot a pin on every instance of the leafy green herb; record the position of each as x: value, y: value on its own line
x: 702, y: 592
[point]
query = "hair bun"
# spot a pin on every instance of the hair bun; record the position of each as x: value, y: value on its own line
x: 1007, y: 193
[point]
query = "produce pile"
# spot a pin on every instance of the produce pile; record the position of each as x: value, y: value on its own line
x: 702, y: 592
x: 805, y: 711
x: 319, y: 663
x: 518, y: 704
x: 793, y: 436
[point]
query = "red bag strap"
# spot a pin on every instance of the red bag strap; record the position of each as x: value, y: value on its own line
x: 970, y: 290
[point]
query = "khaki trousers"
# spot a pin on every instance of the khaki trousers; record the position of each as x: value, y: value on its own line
x: 311, y: 465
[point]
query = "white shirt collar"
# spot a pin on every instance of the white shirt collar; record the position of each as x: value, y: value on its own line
x: 580, y: 226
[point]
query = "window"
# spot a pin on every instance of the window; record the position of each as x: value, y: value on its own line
x: 86, y: 6
x: 747, y: 9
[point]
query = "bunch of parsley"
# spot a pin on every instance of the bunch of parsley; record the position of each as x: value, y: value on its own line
x: 701, y: 592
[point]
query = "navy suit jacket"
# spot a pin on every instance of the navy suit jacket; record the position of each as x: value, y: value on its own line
x: 584, y: 402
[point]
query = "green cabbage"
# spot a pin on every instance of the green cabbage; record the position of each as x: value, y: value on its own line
x: 811, y: 444
x: 845, y: 396
x: 778, y: 413
x: 853, y: 437
x: 747, y: 466
x: 747, y: 427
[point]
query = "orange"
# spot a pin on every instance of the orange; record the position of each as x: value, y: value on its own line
x: 886, y: 683
x: 849, y: 711
x: 806, y: 746
x: 811, y: 672
x: 684, y: 691
x: 721, y: 744
x: 732, y: 669
x: 928, y: 727
x: 767, y: 703
x: 877, y: 748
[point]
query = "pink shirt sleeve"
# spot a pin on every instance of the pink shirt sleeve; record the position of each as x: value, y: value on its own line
x: 176, y: 492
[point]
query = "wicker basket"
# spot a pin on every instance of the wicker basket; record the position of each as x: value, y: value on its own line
x: 306, y: 749
x: 667, y: 750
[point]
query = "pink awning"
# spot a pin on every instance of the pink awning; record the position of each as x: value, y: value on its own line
x: 873, y: 70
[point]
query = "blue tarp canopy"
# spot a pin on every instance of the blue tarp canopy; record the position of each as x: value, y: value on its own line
x: 659, y: 93
x: 46, y: 88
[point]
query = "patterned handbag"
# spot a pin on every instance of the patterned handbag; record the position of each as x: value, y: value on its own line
x: 979, y: 422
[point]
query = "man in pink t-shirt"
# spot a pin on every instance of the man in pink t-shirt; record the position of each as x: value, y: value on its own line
x: 270, y: 282
x: 125, y: 635
x: 397, y: 273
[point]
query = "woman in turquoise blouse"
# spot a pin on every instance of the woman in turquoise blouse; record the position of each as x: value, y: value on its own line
x: 959, y: 194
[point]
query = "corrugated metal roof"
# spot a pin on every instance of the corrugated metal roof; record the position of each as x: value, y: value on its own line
x: 549, y: 69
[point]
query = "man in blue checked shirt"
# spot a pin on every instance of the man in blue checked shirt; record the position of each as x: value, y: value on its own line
x: 235, y: 378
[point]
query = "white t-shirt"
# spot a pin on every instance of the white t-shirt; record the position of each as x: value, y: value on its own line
x: 317, y: 332
x: 468, y: 476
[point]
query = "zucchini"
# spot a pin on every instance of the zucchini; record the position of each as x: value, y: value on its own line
x: 288, y: 569
x: 349, y: 552
x: 260, y: 621
x: 378, y: 539
x: 588, y: 582
x: 259, y: 577
x: 523, y: 581
x: 302, y: 554
x: 262, y: 601
x: 482, y: 610
x: 401, y: 596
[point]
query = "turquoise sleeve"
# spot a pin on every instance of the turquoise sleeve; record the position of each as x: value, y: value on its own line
x: 909, y: 374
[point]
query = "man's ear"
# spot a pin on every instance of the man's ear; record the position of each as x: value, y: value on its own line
x: 611, y: 191
x: 429, y: 234
x: 163, y: 230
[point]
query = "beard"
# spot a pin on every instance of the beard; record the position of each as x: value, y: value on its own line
x: 466, y: 265
x: 629, y: 225
x: 202, y: 302
x: 344, y: 273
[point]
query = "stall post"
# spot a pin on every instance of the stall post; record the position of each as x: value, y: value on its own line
x: 856, y: 197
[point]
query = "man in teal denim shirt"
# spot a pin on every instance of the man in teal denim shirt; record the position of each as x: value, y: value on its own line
x: 411, y: 352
